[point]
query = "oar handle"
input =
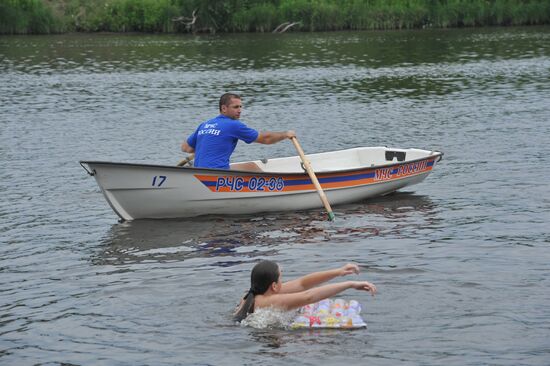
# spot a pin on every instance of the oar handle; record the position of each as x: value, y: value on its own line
x: 313, y: 178
x: 186, y: 160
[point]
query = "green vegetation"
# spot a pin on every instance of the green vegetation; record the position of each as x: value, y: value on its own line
x: 50, y: 16
x: 27, y: 16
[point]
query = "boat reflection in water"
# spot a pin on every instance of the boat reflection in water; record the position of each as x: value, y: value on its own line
x: 249, y: 236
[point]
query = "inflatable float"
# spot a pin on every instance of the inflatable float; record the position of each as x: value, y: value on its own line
x: 330, y: 314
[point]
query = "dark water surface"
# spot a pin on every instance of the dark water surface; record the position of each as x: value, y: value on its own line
x: 462, y: 261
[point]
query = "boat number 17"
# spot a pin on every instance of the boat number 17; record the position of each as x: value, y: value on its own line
x: 158, y: 180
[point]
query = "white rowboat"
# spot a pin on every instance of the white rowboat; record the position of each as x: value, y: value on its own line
x: 139, y: 191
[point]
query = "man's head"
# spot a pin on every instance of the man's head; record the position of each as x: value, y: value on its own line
x: 230, y: 105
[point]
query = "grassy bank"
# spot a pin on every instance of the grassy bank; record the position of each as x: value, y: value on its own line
x: 49, y: 16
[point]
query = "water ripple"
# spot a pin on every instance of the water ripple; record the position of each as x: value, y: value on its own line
x: 460, y: 260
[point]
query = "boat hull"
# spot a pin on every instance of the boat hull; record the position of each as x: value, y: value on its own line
x: 138, y: 191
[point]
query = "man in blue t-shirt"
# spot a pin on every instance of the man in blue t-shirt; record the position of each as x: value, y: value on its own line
x: 214, y: 141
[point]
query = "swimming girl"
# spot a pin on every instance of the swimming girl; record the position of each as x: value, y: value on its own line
x: 267, y: 288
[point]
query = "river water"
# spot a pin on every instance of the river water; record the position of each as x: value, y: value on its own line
x: 461, y: 261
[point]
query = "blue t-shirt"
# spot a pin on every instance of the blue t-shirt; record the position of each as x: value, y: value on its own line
x: 215, y: 140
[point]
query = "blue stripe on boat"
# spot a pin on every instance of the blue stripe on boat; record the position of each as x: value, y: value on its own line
x: 344, y: 178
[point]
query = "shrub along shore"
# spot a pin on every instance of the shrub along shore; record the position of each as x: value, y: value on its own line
x: 193, y: 16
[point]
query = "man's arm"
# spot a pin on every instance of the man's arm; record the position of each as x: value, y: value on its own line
x: 268, y: 137
x: 186, y: 148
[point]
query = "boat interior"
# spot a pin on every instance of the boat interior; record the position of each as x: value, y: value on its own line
x: 355, y: 158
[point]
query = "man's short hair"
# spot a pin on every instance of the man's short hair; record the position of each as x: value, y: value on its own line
x: 226, y: 99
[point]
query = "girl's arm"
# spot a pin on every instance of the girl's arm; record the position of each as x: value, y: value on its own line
x: 298, y: 299
x: 313, y: 279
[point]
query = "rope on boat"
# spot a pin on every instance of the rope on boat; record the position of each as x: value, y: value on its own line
x: 91, y: 173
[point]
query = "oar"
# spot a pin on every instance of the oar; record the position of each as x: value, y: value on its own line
x: 313, y: 178
x: 186, y: 160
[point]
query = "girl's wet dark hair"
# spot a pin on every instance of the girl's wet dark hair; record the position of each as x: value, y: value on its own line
x: 262, y: 276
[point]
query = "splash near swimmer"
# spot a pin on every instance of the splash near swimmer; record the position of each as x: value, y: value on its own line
x: 330, y: 314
